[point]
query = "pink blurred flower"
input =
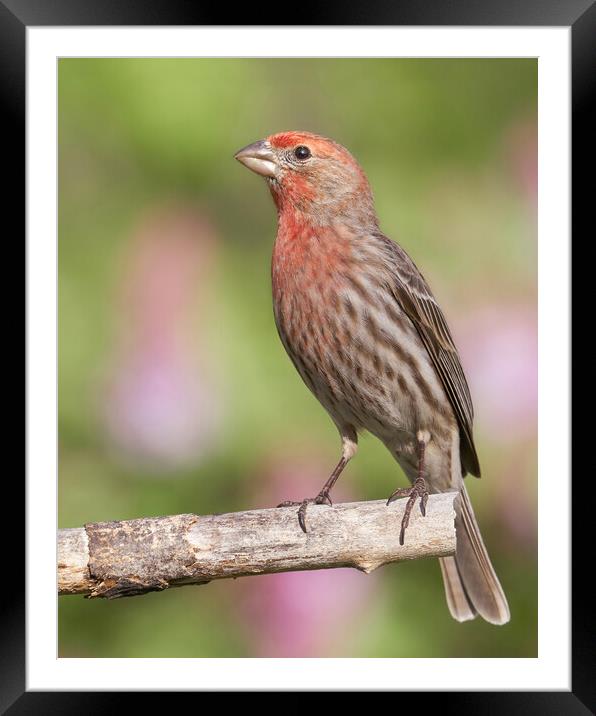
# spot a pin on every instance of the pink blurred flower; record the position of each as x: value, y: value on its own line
x: 303, y: 614
x: 515, y: 500
x: 499, y: 350
x: 162, y: 407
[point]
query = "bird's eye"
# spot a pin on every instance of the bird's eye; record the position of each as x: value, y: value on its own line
x: 302, y: 152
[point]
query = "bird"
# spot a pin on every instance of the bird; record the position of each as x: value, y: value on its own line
x: 368, y: 338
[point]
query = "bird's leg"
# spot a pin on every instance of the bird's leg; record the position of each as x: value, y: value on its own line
x: 323, y: 498
x: 418, y: 489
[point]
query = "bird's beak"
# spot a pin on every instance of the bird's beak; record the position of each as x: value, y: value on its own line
x: 259, y: 157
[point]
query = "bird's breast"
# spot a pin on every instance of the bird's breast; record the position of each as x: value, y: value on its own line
x: 306, y: 270
x: 353, y: 344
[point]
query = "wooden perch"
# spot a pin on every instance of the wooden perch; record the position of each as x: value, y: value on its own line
x: 120, y: 559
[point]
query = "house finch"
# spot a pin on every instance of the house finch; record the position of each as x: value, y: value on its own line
x: 368, y: 338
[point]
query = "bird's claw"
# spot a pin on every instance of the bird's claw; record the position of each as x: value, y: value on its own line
x: 418, y: 489
x: 320, y: 499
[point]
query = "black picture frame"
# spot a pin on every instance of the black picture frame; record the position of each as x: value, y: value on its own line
x: 579, y: 15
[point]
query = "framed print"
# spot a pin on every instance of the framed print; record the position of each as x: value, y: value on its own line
x: 164, y: 422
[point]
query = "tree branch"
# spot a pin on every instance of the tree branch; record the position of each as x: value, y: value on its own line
x: 118, y: 559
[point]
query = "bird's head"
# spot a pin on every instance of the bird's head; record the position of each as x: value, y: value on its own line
x: 312, y: 175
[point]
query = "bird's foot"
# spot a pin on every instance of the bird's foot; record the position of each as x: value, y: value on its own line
x: 418, y: 489
x: 321, y: 499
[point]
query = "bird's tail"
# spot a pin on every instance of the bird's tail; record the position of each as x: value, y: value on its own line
x: 471, y: 585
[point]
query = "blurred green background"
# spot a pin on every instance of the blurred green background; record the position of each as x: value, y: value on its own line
x: 175, y: 394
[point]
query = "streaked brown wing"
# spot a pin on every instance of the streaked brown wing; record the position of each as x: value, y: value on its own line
x: 414, y: 295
